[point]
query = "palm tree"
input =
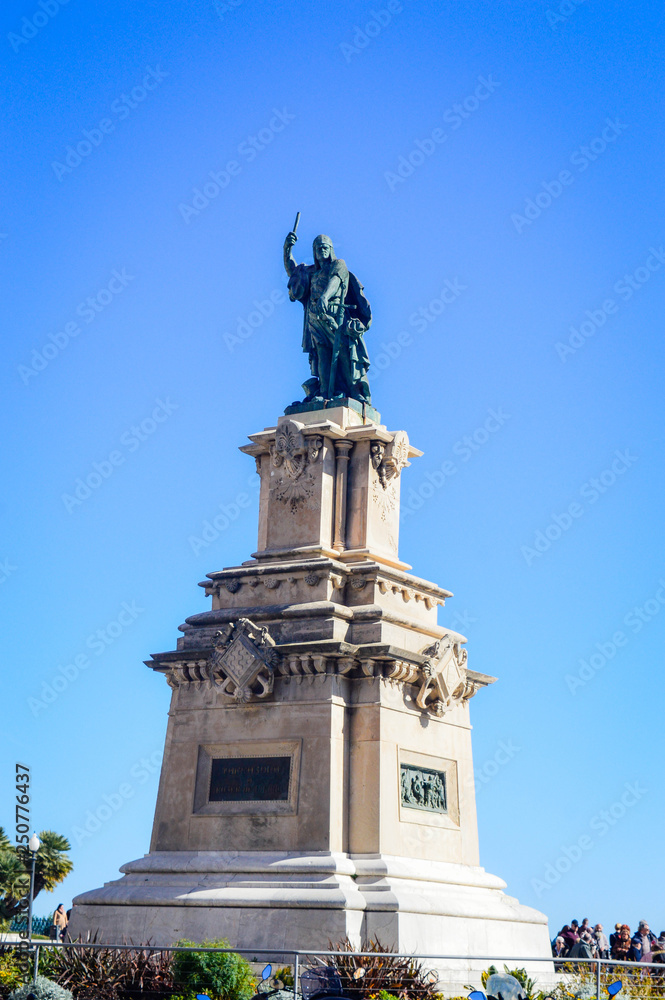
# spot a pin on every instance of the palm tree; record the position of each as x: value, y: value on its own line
x: 52, y: 866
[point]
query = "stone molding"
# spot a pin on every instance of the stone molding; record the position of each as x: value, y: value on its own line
x: 315, y: 571
x: 471, y: 892
x: 244, y: 663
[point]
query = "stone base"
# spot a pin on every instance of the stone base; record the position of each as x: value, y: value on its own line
x: 366, y: 410
x: 294, y: 901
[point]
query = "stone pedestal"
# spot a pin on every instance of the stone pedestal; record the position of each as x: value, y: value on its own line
x: 317, y: 779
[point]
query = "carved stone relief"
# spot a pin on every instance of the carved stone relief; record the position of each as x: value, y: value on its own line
x: 423, y: 788
x: 243, y: 661
x: 383, y: 496
x: 444, y: 683
x: 389, y: 459
x: 293, y: 453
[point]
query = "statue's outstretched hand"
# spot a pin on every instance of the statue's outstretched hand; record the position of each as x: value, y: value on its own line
x: 290, y: 241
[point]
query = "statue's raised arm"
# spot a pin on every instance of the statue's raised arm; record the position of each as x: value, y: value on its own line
x: 337, y: 314
x: 289, y: 260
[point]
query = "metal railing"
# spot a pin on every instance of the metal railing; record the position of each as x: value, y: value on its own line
x: 557, y: 969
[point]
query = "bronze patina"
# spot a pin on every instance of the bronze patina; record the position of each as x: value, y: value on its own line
x: 337, y: 314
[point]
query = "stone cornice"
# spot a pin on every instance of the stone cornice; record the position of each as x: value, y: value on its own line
x: 369, y: 571
x: 437, y: 676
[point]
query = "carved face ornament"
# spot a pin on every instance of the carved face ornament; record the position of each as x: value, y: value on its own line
x: 389, y: 460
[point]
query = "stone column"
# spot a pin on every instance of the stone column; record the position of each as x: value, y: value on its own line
x: 342, y: 453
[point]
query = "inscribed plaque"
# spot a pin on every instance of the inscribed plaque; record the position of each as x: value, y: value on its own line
x: 249, y: 779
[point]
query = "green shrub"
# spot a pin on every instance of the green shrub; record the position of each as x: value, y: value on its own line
x: 285, y: 976
x: 639, y: 982
x: 223, y: 975
x: 11, y: 974
x: 43, y: 989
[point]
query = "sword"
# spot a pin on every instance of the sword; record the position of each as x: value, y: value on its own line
x: 337, y: 343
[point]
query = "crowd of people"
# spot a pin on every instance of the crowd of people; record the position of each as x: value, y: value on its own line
x: 576, y: 940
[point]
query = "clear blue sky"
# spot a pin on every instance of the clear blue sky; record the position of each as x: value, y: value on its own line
x: 530, y: 145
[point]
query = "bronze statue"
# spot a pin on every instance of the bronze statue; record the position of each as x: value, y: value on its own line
x: 337, y: 314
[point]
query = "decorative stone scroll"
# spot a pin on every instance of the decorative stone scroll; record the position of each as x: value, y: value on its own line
x: 444, y: 681
x: 186, y: 672
x: 293, y: 453
x: 423, y: 788
x: 243, y: 661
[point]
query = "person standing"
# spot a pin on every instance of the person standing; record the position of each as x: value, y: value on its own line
x: 558, y: 947
x: 642, y: 943
x: 614, y: 938
x: 584, y: 947
x: 60, y: 922
x: 602, y: 944
x: 621, y: 948
x: 569, y: 936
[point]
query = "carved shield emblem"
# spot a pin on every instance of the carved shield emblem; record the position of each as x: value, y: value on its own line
x: 444, y: 682
x: 243, y: 661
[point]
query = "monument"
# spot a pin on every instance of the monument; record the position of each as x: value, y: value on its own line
x: 317, y: 779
